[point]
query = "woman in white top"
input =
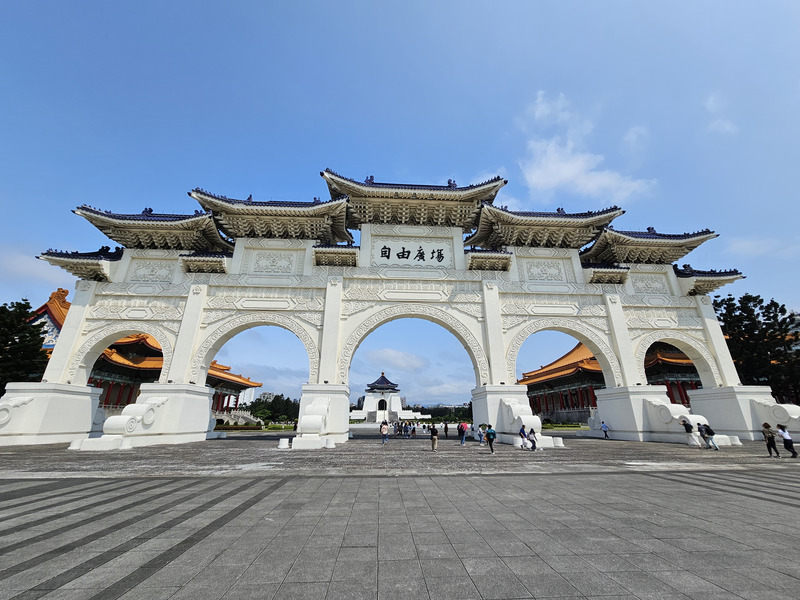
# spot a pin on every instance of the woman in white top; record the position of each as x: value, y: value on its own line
x: 787, y: 440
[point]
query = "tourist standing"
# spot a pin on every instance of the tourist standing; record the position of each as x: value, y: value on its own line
x: 710, y: 437
x: 523, y: 436
x: 788, y: 444
x: 385, y: 432
x: 491, y: 435
x: 445, y: 431
x: 769, y: 438
x: 481, y: 433
x: 434, y: 437
x: 604, y: 427
x: 463, y: 434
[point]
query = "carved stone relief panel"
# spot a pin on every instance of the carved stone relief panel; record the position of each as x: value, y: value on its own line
x: 268, y: 262
x: 137, y: 307
x: 151, y: 271
x: 554, y: 270
x: 649, y: 284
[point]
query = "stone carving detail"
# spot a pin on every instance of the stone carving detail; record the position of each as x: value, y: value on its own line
x: 212, y: 316
x: 312, y: 318
x: 202, y: 359
x: 157, y: 308
x: 533, y: 252
x: 118, y: 330
x: 649, y: 284
x: 301, y: 298
x: 473, y: 346
x: 352, y: 307
x: 522, y: 303
x: 273, y: 262
x: 83, y: 286
x: 473, y: 310
x: 649, y: 318
x: 152, y: 289
x: 152, y: 270
x: 511, y: 321
x: 678, y: 338
x: 545, y: 271
x: 569, y: 326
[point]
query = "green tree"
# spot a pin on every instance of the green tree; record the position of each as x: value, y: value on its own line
x: 762, y: 338
x: 21, y: 355
x: 275, y: 408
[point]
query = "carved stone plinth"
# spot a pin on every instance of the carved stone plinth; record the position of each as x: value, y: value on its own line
x: 163, y: 414
x: 324, y: 414
x: 46, y: 413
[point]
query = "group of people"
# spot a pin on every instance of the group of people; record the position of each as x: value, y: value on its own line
x: 484, y: 433
x: 704, y: 430
x: 769, y: 437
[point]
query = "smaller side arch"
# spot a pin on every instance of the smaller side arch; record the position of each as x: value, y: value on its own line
x: 612, y: 372
x: 225, y: 331
x: 82, y: 362
x: 705, y: 364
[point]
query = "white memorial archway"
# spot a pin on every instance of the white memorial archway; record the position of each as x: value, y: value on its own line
x: 194, y: 281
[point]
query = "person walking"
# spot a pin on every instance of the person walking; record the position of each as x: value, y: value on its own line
x: 769, y: 437
x: 491, y: 435
x: 445, y: 431
x: 788, y: 444
x: 385, y: 432
x: 701, y: 429
x: 604, y: 427
x: 710, y: 437
x: 434, y: 437
x: 463, y: 434
x: 523, y: 437
x: 481, y: 433
x: 532, y: 439
x: 689, y: 435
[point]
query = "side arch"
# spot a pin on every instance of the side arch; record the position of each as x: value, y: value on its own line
x: 81, y: 365
x: 705, y: 364
x: 420, y: 311
x: 612, y: 372
x: 225, y: 331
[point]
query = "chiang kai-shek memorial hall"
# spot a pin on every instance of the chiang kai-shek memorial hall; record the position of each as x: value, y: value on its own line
x: 490, y: 276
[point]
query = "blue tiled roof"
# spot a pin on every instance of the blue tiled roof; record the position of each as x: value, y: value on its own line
x: 104, y: 253
x: 277, y: 203
x: 652, y: 234
x: 381, y: 383
x: 146, y: 215
x: 688, y: 271
x: 560, y: 213
x: 370, y: 182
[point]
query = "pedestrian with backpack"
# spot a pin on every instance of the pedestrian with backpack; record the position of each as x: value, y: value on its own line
x: 491, y: 436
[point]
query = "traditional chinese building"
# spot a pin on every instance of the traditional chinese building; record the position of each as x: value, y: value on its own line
x: 133, y: 360
x: 564, y: 390
x: 382, y: 402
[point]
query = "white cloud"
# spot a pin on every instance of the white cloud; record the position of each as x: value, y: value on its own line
x: 561, y: 162
x: 388, y: 358
x: 723, y: 126
x: 716, y: 107
x: 775, y: 248
x: 556, y: 165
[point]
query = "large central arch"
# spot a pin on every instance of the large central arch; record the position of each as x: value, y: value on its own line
x: 420, y: 311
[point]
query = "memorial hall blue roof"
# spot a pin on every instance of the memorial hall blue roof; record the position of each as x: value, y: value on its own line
x: 381, y: 383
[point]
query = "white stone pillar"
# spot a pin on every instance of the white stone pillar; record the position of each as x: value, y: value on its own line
x: 331, y: 327
x: 716, y: 342
x: 493, y: 335
x: 621, y: 341
x: 69, y: 339
x: 184, y: 351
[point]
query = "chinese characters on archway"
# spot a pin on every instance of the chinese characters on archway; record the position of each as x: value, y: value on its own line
x: 437, y: 254
x: 412, y: 253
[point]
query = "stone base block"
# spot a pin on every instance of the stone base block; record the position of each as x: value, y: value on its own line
x: 47, y: 413
x: 163, y: 414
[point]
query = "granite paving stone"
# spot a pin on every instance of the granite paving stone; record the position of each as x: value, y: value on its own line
x: 237, y: 518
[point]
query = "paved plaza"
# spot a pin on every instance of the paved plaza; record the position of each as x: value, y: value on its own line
x: 238, y: 518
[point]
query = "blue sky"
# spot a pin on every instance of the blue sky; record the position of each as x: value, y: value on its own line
x: 683, y: 113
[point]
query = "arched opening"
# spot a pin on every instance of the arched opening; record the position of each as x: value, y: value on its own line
x: 666, y: 365
x: 257, y: 375
x: 123, y: 367
x: 430, y: 367
x: 561, y: 374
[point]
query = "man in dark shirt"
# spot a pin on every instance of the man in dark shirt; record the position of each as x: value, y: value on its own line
x: 434, y: 437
